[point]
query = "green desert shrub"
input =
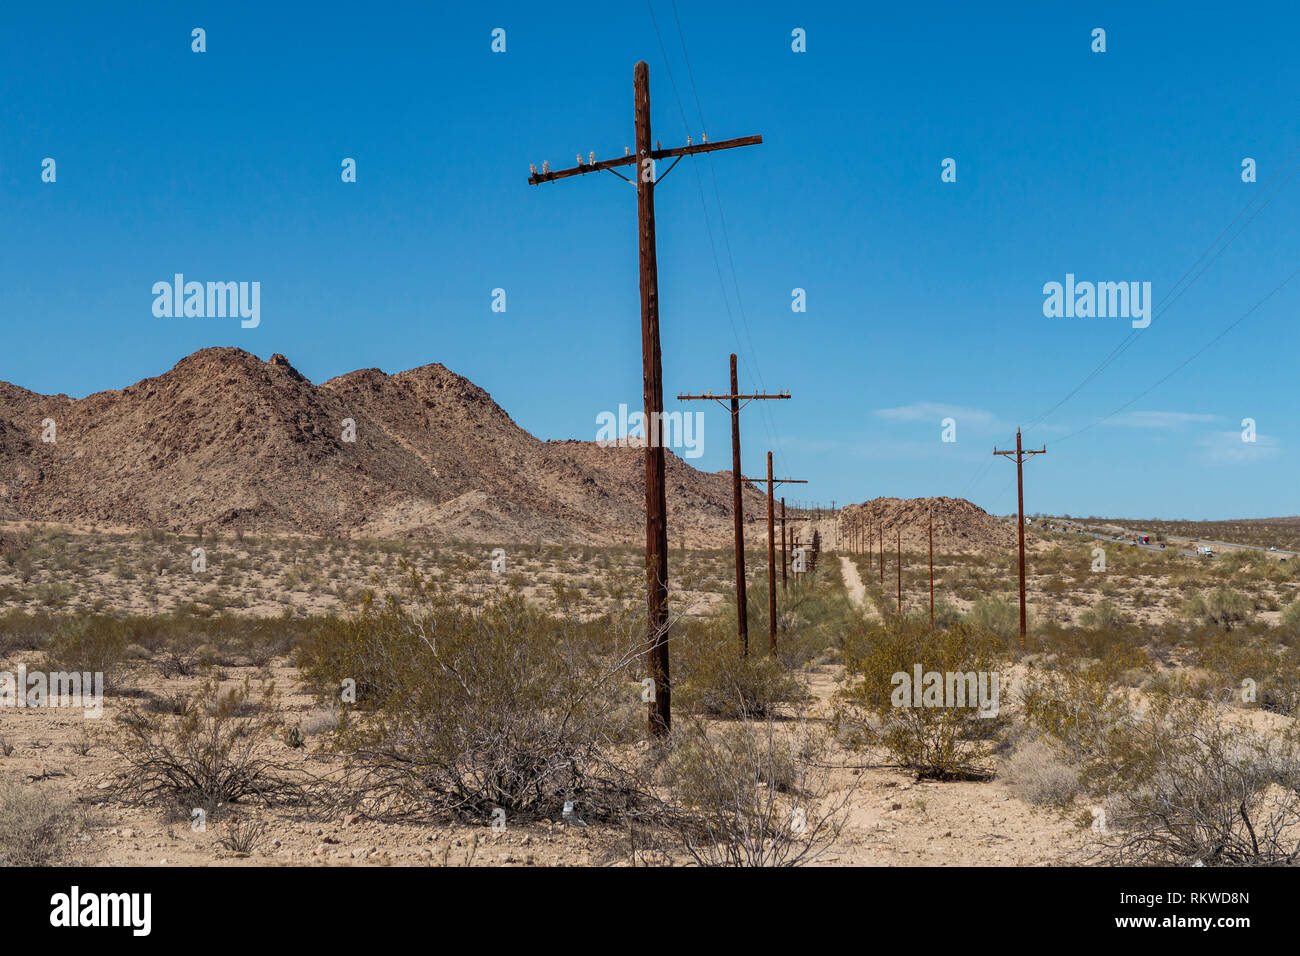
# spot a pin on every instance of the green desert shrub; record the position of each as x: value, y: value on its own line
x: 88, y: 643
x: 947, y: 735
x: 1220, y: 607
x: 1103, y: 616
x: 996, y: 616
x: 464, y: 710
x: 712, y: 677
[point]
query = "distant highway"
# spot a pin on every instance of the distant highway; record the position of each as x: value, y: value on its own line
x: 1117, y: 535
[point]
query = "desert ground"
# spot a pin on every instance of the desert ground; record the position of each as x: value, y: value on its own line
x: 224, y: 738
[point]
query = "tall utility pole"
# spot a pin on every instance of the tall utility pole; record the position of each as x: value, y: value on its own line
x: 899, y: 531
x: 738, y: 507
x: 771, y: 551
x: 1022, y: 455
x: 930, y: 523
x: 656, y: 509
x: 784, y: 550
x: 882, y: 553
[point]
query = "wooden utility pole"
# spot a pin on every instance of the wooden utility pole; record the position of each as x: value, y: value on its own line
x: 784, y: 550
x: 1022, y: 455
x: 656, y: 510
x: 737, y: 506
x: 771, y: 551
x: 882, y: 553
x: 899, y: 531
x: 930, y: 523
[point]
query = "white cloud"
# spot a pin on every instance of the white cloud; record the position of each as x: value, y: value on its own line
x: 1161, y: 420
x: 1227, y: 448
x: 936, y: 412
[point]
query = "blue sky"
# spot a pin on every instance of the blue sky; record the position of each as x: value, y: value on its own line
x: 924, y: 298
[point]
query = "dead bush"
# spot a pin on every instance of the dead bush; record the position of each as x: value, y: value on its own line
x: 746, y: 795
x: 1218, y: 795
x: 38, y: 826
x: 201, y: 751
x: 1036, y: 774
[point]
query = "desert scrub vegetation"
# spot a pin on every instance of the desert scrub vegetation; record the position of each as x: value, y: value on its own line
x: 744, y: 795
x: 461, y: 711
x: 1221, y: 606
x: 714, y: 679
x: 1252, y: 668
x: 1215, y: 794
x: 995, y: 616
x: 201, y: 750
x: 38, y: 826
x: 88, y: 643
x: 876, y: 707
x: 1172, y: 778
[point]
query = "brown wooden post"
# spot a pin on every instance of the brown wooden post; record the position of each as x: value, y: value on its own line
x: 742, y: 604
x: 785, y: 554
x: 771, y: 566
x: 930, y: 522
x: 656, y: 509
x: 660, y: 709
x: 899, y: 531
x: 882, y: 553
x: 1021, y: 455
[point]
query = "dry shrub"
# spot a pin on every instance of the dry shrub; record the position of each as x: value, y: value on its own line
x: 746, y: 795
x: 1274, y: 669
x: 1290, y: 620
x: 462, y: 710
x: 88, y: 643
x: 1103, y: 616
x: 1083, y: 710
x: 1036, y: 774
x: 241, y: 834
x: 38, y: 826
x: 713, y: 678
x: 1218, y: 795
x: 1220, y: 607
x: 202, y: 750
x: 996, y: 616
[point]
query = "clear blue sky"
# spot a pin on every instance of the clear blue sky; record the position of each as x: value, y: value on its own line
x: 924, y: 298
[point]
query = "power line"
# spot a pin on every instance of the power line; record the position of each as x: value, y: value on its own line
x: 1187, y: 361
x: 1165, y: 304
x: 751, y: 361
x: 1175, y: 293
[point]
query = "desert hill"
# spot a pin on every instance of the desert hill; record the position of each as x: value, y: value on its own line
x: 225, y: 440
x: 959, y: 525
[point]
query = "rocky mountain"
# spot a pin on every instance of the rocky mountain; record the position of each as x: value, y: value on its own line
x: 225, y: 440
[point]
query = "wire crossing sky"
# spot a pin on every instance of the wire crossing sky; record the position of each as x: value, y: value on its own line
x: 961, y: 220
